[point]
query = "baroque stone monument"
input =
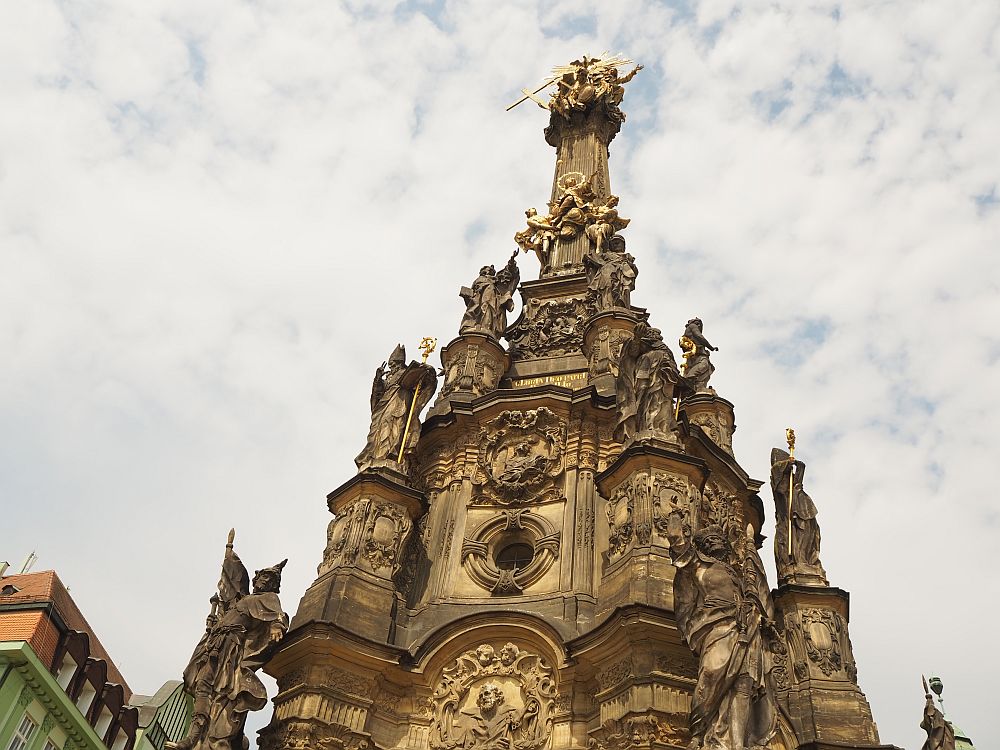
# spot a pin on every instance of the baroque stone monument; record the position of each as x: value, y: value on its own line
x: 563, y: 551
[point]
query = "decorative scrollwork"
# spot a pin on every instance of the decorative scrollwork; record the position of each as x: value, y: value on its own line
x: 493, y: 698
x: 521, y: 454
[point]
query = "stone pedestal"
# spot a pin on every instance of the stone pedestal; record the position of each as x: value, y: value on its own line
x: 357, y: 584
x: 642, y: 486
x: 820, y: 686
x: 473, y: 365
x: 714, y: 415
x: 603, y: 338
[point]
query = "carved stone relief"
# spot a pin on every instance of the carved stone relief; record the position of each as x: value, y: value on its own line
x: 821, y: 631
x: 473, y: 369
x: 630, y: 732
x: 548, y: 329
x: 674, y: 665
x: 521, y: 454
x: 639, y: 507
x: 615, y: 674
x: 606, y: 350
x: 371, y: 529
x: 312, y: 734
x: 512, y: 525
x: 494, y: 698
x: 717, y: 426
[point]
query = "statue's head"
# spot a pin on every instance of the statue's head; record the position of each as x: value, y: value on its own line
x: 531, y: 212
x: 268, y: 580
x: 485, y: 654
x: 398, y: 357
x: 508, y: 654
x: 487, y: 271
x: 711, y: 540
x: 490, y: 697
x: 695, y: 322
x: 617, y: 243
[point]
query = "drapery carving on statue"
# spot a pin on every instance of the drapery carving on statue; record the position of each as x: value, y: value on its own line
x: 611, y: 274
x: 493, y: 698
x: 646, y: 384
x: 398, y: 390
x: 803, y: 558
x: 521, y: 454
x: 489, y: 299
x: 630, y: 732
x: 724, y: 611
x: 605, y: 352
x: 548, y: 329
x: 529, y: 528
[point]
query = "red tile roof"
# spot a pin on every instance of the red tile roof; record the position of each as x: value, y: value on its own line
x: 42, y: 588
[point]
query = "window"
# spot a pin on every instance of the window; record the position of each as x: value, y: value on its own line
x: 66, y: 671
x: 515, y: 556
x: 22, y: 735
x: 86, y: 699
x: 49, y: 745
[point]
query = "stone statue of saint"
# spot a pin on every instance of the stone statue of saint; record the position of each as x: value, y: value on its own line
x: 611, y: 275
x: 698, y: 367
x: 647, y: 379
x: 940, y: 732
x: 241, y: 633
x: 393, y: 390
x: 496, y: 725
x: 490, y: 299
x: 724, y: 610
x: 802, y: 564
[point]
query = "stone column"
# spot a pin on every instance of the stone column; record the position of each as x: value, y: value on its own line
x: 641, y: 487
x: 714, y: 415
x: 818, y: 683
x: 604, y: 336
x: 374, y: 514
x: 473, y: 365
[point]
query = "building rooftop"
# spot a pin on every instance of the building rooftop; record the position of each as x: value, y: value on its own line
x: 29, y: 593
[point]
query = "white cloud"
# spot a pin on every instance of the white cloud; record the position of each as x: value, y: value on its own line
x: 217, y: 217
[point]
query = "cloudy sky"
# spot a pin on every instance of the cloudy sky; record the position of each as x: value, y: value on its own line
x: 218, y: 216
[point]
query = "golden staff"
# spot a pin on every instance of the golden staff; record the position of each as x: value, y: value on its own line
x: 427, y: 345
x: 790, y: 438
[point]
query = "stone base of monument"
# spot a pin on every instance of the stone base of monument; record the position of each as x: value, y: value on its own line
x: 642, y: 486
x: 374, y: 513
x: 820, y: 691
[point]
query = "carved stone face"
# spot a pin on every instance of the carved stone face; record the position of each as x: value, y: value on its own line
x: 490, y: 697
x: 508, y: 654
x: 711, y: 541
x: 485, y: 654
x: 265, y: 581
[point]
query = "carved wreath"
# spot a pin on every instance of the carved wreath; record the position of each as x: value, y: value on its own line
x: 520, y: 456
x: 479, y: 550
x: 494, y: 698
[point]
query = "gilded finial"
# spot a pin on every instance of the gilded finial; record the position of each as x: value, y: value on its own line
x: 790, y: 438
x: 427, y: 346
